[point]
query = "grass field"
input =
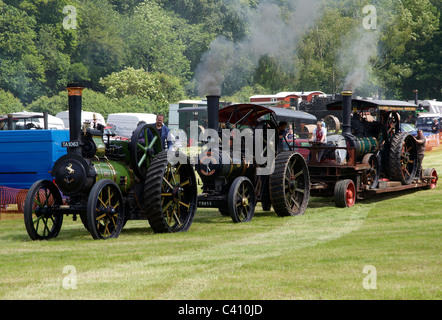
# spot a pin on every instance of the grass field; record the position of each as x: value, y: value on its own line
x: 395, y: 239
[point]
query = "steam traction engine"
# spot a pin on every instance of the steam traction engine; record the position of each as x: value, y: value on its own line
x: 369, y: 157
x: 107, y: 182
x: 230, y: 180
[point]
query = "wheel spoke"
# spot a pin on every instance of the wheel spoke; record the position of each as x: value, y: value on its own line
x: 155, y: 138
x: 143, y: 158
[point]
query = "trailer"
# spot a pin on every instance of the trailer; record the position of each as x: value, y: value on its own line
x: 369, y: 157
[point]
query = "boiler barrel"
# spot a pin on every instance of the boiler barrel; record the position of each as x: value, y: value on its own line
x: 363, y: 145
x: 116, y: 172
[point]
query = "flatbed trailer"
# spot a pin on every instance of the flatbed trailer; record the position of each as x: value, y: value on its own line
x: 350, y: 180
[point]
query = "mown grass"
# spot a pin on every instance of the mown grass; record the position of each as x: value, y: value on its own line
x: 320, y: 255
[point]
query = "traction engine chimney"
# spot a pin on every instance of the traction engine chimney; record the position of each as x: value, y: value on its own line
x: 346, y: 112
x: 212, y: 112
x: 75, y: 92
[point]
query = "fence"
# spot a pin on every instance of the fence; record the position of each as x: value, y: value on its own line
x: 12, y: 203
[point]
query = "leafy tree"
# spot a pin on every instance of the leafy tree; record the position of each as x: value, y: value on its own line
x: 101, y: 49
x: 156, y: 88
x: 21, y: 68
x: 9, y: 103
x: 153, y: 43
x: 91, y: 101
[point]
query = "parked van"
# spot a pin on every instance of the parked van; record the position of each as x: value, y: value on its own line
x: 30, y: 120
x: 85, y: 116
x: 125, y: 123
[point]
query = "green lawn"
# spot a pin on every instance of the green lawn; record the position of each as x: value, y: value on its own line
x: 321, y: 255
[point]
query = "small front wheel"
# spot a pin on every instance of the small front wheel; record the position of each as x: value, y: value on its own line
x: 345, y: 193
x: 242, y: 200
x: 105, y: 210
x: 40, y: 220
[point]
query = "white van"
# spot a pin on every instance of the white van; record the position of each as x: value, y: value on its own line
x: 32, y: 120
x: 125, y: 123
x: 85, y: 116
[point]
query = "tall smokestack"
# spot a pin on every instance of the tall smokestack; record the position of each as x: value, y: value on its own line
x: 346, y: 112
x: 212, y: 112
x: 416, y: 100
x: 75, y: 92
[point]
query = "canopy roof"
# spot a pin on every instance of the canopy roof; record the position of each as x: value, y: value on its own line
x: 363, y: 104
x: 248, y: 114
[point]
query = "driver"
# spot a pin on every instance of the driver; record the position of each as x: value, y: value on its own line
x: 319, y: 136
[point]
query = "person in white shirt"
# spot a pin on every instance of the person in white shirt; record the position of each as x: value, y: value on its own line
x: 319, y: 133
x: 319, y: 137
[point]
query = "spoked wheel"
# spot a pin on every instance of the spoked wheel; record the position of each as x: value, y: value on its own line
x: 290, y: 184
x: 372, y: 174
x: 403, y: 158
x: 40, y: 220
x: 241, y: 200
x: 345, y: 193
x: 332, y: 124
x: 105, y: 210
x: 170, y: 195
x: 144, y: 145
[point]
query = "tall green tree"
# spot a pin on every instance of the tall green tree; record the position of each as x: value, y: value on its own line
x: 21, y: 67
x: 151, y: 36
x: 9, y: 103
x: 101, y: 48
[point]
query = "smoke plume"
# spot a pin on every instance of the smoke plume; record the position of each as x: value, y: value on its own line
x: 356, y: 57
x: 273, y: 32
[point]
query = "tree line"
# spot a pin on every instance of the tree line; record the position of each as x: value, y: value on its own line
x: 139, y: 56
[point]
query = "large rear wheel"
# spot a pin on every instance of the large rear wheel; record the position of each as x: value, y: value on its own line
x: 403, y: 158
x: 40, y: 220
x: 144, y: 145
x: 170, y: 195
x: 290, y: 184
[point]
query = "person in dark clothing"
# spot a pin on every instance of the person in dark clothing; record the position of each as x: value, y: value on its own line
x: 163, y: 130
x: 282, y: 132
x: 435, y: 127
x: 420, y: 142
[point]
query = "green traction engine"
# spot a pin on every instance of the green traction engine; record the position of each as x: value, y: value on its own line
x: 108, y: 182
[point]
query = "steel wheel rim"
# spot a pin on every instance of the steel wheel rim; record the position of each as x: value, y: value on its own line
x: 350, y: 194
x: 408, y: 157
x: 294, y: 185
x: 107, y: 211
x: 41, y: 212
x: 243, y: 199
x: 176, y: 195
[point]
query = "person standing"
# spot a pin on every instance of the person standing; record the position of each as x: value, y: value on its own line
x: 420, y: 141
x: 319, y: 136
x: 163, y: 130
x: 435, y: 127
